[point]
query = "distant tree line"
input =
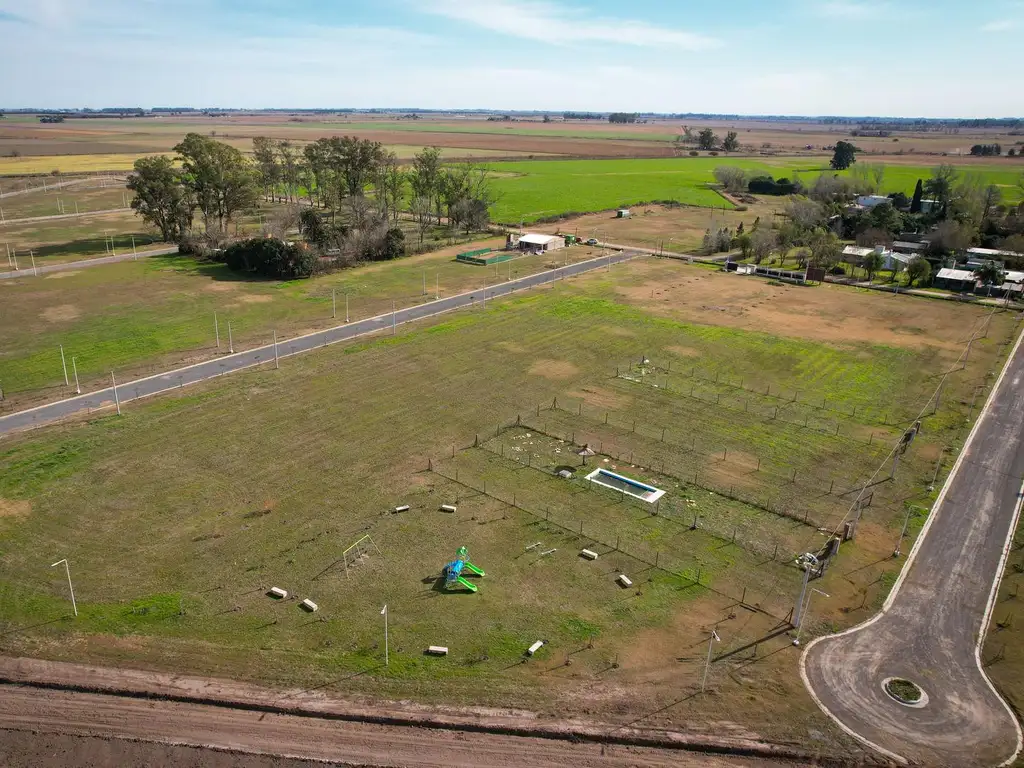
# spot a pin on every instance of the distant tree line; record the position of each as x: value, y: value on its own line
x: 51, y: 119
x: 583, y: 116
x: 986, y: 150
x: 623, y: 117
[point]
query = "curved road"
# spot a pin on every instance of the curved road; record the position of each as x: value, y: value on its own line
x: 162, y: 382
x: 932, y: 625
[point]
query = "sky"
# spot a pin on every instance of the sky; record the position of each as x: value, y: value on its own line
x: 907, y: 58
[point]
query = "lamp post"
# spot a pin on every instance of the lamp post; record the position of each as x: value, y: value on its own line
x: 67, y: 568
x: 807, y: 610
x: 384, y: 613
x: 707, y: 664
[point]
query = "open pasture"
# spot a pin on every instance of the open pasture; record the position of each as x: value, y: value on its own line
x: 72, y: 238
x: 138, y: 317
x: 177, y: 518
x: 103, y: 194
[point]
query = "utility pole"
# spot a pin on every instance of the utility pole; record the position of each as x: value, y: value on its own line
x: 394, y: 319
x: 903, y: 531
x: 216, y: 329
x: 117, y: 401
x: 799, y: 609
x: 707, y: 664
x: 78, y: 389
x: 346, y: 307
x: 33, y: 257
x: 64, y: 365
x: 135, y: 253
x: 67, y: 569
x: 437, y: 285
x: 334, y: 303
x: 231, y: 343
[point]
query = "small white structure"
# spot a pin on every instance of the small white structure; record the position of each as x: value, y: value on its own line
x: 856, y: 252
x: 402, y: 508
x: 309, y: 605
x: 534, y: 648
x: 624, y: 580
x: 589, y: 554
x: 279, y: 593
x: 870, y: 201
x: 438, y: 650
x: 449, y: 508
x: 623, y: 213
x: 541, y: 243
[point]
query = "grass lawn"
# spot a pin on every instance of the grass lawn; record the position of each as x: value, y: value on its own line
x: 178, y: 516
x: 136, y: 317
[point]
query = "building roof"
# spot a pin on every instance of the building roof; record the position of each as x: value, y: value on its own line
x: 903, y: 245
x: 956, y: 274
x: 902, y: 258
x: 539, y: 239
x: 854, y: 250
x: 990, y: 253
x: 1011, y: 276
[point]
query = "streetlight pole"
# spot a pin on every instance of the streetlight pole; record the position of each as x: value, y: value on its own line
x: 277, y: 362
x: 334, y: 303
x: 74, y: 367
x: 117, y: 401
x: 384, y: 613
x: 807, y: 610
x: 67, y: 568
x: 707, y: 664
x: 216, y: 329
x: 231, y: 343
x: 64, y: 365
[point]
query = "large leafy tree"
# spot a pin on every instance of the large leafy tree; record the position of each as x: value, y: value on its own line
x: 160, y: 197
x: 940, y: 186
x: 918, y: 271
x: 844, y: 156
x: 706, y: 139
x: 221, y: 179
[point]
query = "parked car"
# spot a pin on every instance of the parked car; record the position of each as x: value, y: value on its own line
x: 592, y: 241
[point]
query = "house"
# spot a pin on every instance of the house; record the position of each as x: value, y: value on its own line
x: 981, y: 255
x: 912, y: 249
x: 955, y: 279
x: 896, y: 261
x: 623, y: 213
x: 541, y: 243
x: 929, y: 206
x: 856, y: 255
x: 870, y: 201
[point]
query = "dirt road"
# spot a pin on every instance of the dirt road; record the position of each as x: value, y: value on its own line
x: 27, y: 714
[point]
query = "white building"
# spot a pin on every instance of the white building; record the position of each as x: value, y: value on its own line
x: 541, y: 243
x: 870, y: 201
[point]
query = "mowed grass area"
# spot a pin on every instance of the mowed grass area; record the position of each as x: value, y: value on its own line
x: 61, y: 240
x: 178, y: 516
x: 88, y: 197
x: 534, y: 190
x: 136, y: 317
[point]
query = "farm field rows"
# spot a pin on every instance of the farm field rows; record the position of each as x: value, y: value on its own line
x: 176, y: 520
x: 136, y: 317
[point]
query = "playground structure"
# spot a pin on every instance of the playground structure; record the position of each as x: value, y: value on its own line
x: 358, y: 552
x: 453, y: 571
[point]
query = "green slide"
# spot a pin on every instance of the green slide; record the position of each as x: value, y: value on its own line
x: 467, y: 584
x: 472, y: 568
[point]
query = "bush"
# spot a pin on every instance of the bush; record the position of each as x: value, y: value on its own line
x: 766, y: 185
x: 694, y: 153
x: 270, y: 257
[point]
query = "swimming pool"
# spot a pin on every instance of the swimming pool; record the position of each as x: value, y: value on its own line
x: 626, y: 485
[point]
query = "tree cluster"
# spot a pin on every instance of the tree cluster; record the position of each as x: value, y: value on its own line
x: 986, y: 150
x: 766, y: 185
x: 623, y: 117
x: 269, y: 257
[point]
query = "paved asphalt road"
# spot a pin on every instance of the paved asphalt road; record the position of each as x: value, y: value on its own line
x: 131, y: 390
x: 26, y: 269
x: 930, y: 628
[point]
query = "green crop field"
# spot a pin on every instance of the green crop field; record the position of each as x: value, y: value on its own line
x: 535, y: 190
x: 178, y: 516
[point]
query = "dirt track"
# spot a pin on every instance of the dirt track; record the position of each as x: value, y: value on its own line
x: 45, y: 713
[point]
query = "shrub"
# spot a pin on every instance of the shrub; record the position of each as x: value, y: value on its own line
x: 694, y: 153
x: 270, y: 257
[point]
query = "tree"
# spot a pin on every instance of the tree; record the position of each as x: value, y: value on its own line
x: 990, y: 273
x: 393, y: 245
x: 872, y: 263
x: 222, y: 181
x: 1013, y: 243
x: 270, y: 257
x: 423, y: 210
x: 763, y: 242
x: 746, y: 244
x: 264, y: 152
x: 289, y: 164
x: 991, y: 196
x: 844, y: 156
x: 940, y: 186
x: 160, y: 197
x: 426, y: 177
x: 731, y: 178
x: 915, y: 203
x: 390, y: 185
x: 949, y: 237
x: 806, y: 214
x: 918, y: 271
x: 707, y: 139
x: 731, y: 142
x: 830, y: 188
x: 312, y: 227
x: 356, y: 161
x: 825, y: 249
x: 885, y: 217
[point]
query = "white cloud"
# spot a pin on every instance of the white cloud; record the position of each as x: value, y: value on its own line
x: 1002, y: 25
x: 553, y: 24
